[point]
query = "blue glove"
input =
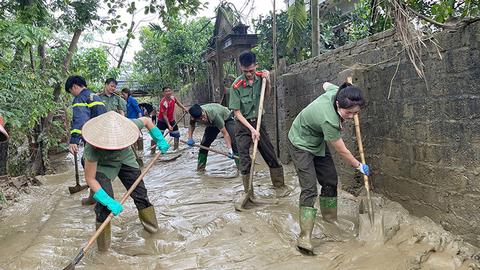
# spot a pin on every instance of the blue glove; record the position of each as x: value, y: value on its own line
x: 175, y: 134
x: 190, y: 142
x: 157, y: 136
x: 230, y: 153
x: 363, y: 168
x: 102, y: 197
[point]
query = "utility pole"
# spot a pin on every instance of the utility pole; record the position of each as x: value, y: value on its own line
x: 275, y: 74
x: 315, y: 32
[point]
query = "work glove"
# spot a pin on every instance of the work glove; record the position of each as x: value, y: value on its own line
x: 363, y: 168
x: 159, y: 139
x: 230, y: 153
x: 102, y: 197
x: 190, y: 142
x: 175, y: 134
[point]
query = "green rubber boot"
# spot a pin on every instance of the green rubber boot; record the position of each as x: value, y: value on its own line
x: 328, y: 207
x: 105, y: 237
x: 237, y: 163
x: 202, y: 161
x: 148, y: 218
x: 307, y: 221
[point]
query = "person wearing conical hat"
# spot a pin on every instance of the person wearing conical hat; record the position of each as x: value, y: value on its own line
x: 107, y: 155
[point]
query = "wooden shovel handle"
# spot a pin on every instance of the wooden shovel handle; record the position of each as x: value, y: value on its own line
x: 360, y: 148
x: 259, y: 123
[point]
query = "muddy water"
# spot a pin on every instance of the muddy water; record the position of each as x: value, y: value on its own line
x: 199, y: 228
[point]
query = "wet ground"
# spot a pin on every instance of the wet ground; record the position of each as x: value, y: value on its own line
x: 199, y: 228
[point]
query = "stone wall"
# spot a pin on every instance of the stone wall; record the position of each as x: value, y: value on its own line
x: 422, y: 142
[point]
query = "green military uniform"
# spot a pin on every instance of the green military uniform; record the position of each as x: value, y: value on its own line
x: 218, y: 117
x: 316, y: 124
x: 217, y: 114
x: 121, y: 163
x: 114, y: 103
x: 245, y: 96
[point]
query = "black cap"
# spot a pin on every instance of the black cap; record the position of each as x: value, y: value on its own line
x: 195, y: 111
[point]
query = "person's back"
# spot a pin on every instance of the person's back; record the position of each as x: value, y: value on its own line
x: 133, y: 109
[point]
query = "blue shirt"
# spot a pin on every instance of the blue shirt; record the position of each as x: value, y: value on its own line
x: 132, y: 108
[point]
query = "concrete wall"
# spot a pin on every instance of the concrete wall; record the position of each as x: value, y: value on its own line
x: 423, y: 143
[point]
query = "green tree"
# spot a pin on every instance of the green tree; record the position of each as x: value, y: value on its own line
x: 174, y: 57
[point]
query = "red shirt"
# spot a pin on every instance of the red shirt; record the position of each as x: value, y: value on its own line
x: 167, y: 106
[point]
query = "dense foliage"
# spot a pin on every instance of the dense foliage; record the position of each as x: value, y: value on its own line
x: 368, y: 17
x: 38, y: 49
x: 174, y: 57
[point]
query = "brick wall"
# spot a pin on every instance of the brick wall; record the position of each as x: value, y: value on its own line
x: 423, y: 143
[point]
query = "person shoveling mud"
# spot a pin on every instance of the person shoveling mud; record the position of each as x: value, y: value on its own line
x: 108, y: 155
x: 245, y: 103
x: 318, y: 123
x: 217, y: 118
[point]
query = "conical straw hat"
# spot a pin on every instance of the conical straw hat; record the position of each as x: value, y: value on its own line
x: 110, y: 131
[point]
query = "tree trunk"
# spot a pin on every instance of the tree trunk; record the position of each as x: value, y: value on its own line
x: 129, y: 33
x: 3, y: 158
x: 41, y: 55
x: 38, y: 166
x: 71, y: 49
x: 315, y: 32
x: 32, y: 59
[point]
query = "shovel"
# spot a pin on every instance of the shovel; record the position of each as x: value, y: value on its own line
x: 370, y: 228
x: 92, y: 239
x: 248, y: 194
x: 77, y: 187
x: 209, y: 149
x: 152, y: 148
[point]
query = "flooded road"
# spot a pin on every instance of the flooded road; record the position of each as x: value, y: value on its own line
x: 199, y: 228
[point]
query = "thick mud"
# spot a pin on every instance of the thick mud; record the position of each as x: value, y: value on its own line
x: 199, y: 228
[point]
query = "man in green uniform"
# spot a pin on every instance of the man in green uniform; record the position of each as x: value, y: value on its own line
x: 107, y: 157
x: 318, y: 123
x: 113, y: 102
x: 217, y: 119
x: 244, y: 101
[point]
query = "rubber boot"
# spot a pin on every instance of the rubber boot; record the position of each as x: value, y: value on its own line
x: 278, y: 181
x: 202, y: 161
x: 175, y: 143
x: 307, y: 221
x: 89, y: 200
x: 104, y: 239
x: 328, y: 207
x: 148, y: 218
x: 237, y: 163
x: 240, y: 204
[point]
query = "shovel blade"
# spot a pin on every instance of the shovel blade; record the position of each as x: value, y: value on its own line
x: 71, y: 266
x: 241, y: 203
x: 371, y: 232
x: 77, y: 188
